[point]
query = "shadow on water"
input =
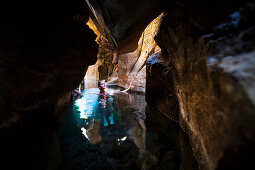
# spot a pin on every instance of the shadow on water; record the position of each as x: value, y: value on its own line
x: 121, y: 132
x: 167, y: 142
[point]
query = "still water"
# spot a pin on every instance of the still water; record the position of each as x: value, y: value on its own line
x: 122, y: 132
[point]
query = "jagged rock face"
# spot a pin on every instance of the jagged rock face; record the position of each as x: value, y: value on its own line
x: 106, y: 62
x: 122, y: 22
x: 105, y: 55
x: 206, y: 83
x: 126, y: 68
x: 132, y: 66
x: 44, y: 55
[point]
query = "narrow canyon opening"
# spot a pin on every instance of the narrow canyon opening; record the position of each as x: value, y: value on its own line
x: 178, y: 92
x: 121, y: 131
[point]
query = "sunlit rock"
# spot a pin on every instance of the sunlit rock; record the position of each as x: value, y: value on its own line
x: 122, y: 22
x: 106, y: 58
x: 205, y: 83
x: 132, y: 66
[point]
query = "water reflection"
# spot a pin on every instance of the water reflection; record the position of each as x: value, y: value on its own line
x: 96, y: 110
x: 111, y: 133
x: 87, y: 104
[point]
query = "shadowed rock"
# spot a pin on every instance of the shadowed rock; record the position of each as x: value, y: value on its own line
x: 45, y: 50
x: 122, y: 22
x: 44, y: 53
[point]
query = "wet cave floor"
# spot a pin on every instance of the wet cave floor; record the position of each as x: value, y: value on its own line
x: 122, y: 133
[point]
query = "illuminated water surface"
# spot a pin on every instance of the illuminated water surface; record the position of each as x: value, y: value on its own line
x: 95, y: 112
x: 118, y: 134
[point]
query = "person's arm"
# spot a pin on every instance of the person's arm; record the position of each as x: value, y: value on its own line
x: 129, y: 88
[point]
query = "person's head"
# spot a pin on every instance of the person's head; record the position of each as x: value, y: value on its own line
x: 101, y: 85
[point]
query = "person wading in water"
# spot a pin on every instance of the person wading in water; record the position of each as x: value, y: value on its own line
x: 106, y: 102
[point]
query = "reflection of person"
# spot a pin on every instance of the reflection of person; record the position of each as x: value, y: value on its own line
x: 91, y: 131
x: 106, y: 102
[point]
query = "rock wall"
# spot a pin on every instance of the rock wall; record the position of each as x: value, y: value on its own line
x: 46, y: 48
x: 122, y: 22
x: 43, y: 56
x: 104, y: 66
x: 204, y: 79
x: 131, y: 66
x: 125, y: 68
x: 106, y: 57
x: 92, y: 73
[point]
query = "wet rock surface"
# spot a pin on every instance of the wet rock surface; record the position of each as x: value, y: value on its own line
x: 204, y: 82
